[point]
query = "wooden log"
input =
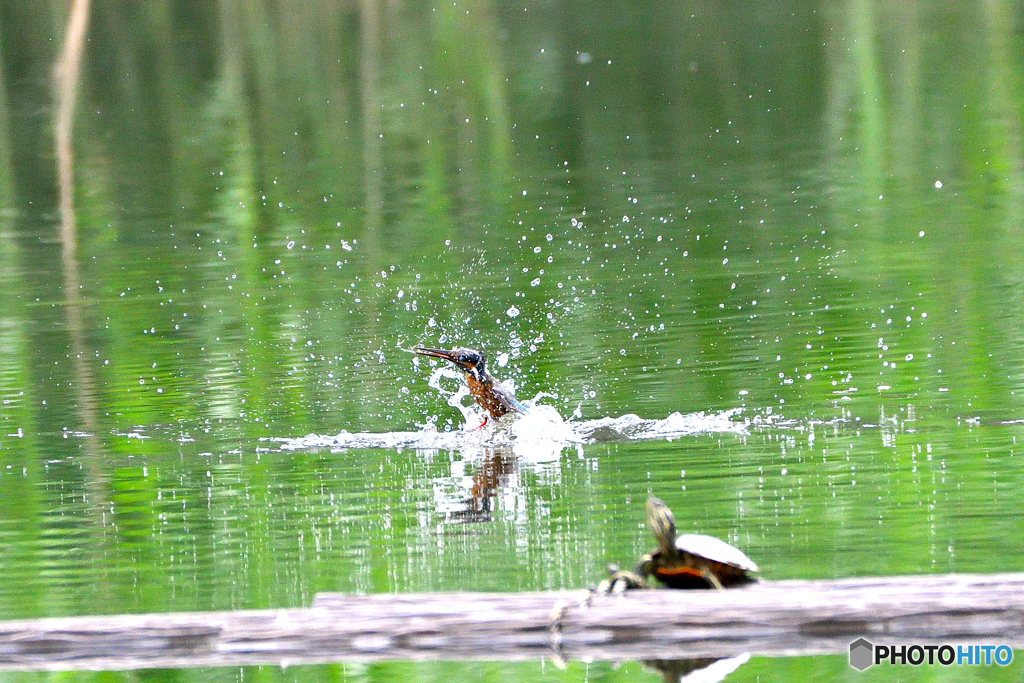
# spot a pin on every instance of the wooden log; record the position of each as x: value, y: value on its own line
x: 775, y: 618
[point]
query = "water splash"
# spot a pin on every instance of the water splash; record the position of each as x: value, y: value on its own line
x: 454, y: 398
x: 538, y: 435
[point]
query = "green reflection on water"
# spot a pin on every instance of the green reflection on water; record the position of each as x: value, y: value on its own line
x: 810, y: 211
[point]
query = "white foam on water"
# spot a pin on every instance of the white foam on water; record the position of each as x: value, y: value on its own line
x: 538, y: 436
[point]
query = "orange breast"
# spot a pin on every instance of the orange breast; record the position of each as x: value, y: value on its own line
x: 484, y: 395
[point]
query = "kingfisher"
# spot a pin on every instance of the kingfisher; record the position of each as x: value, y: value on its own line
x: 489, y: 393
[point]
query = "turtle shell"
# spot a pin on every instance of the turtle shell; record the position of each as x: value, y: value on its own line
x: 730, y: 565
x: 715, y: 550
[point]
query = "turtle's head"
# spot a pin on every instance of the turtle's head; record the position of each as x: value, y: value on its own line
x: 662, y: 523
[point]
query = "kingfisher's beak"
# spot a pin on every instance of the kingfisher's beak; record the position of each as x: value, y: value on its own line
x: 437, y: 353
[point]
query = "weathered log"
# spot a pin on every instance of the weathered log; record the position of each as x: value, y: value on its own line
x: 768, y: 618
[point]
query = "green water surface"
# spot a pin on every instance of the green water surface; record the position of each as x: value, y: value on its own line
x: 811, y: 212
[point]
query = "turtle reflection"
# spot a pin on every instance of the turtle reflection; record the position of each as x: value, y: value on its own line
x: 696, y: 670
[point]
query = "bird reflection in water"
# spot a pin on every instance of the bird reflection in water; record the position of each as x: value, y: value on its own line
x: 495, y: 473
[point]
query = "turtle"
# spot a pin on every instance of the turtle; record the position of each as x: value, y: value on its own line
x: 684, y: 560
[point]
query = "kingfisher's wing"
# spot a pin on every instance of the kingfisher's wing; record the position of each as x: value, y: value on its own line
x: 509, y: 398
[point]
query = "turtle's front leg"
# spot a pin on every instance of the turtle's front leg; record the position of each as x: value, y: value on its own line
x: 619, y: 581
